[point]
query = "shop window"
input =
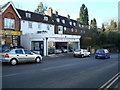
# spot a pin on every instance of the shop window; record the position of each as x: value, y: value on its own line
x: 9, y: 23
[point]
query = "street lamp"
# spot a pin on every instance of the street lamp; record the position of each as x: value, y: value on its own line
x: 46, y: 46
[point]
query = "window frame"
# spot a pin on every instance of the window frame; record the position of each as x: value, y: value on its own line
x: 9, y: 23
x: 28, y: 15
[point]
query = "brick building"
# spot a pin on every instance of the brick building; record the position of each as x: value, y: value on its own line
x: 9, y: 25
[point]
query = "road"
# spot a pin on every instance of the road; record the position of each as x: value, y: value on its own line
x: 61, y: 72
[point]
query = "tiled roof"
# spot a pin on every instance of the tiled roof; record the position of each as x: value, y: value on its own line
x: 34, y: 16
x: 51, y: 20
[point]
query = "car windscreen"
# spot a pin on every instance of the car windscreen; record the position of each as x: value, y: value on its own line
x: 77, y: 50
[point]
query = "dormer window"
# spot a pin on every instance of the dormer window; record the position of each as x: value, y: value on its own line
x: 74, y: 24
x: 28, y: 15
x: 46, y: 18
x: 63, y: 21
x: 70, y: 23
x: 58, y: 20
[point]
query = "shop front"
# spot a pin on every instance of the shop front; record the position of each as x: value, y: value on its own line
x: 9, y: 38
x: 40, y: 43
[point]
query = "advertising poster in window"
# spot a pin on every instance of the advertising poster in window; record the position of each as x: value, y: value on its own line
x: 37, y: 48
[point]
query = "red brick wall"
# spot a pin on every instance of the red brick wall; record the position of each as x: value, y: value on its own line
x: 10, y: 13
x: 1, y: 22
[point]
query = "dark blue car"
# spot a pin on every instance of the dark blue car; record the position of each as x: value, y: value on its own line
x: 102, y: 53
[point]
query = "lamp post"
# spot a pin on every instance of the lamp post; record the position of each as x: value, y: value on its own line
x: 46, y: 46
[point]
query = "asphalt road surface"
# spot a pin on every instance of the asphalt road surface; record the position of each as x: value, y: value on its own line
x: 62, y: 72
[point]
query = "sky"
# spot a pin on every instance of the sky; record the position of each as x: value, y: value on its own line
x: 102, y: 10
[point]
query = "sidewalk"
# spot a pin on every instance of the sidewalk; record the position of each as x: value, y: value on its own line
x: 55, y: 55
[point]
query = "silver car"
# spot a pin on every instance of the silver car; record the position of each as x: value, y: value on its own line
x: 15, y: 56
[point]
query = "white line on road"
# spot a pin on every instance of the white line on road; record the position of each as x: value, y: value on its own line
x: 10, y: 75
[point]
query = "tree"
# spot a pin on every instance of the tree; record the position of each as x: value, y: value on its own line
x: 84, y: 17
x: 41, y: 9
x: 93, y: 24
x: 112, y: 26
x: 103, y: 27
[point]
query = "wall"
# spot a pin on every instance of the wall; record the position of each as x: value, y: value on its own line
x: 34, y: 29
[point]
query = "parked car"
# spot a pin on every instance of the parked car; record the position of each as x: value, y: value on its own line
x: 102, y: 53
x: 81, y: 53
x: 54, y: 51
x: 64, y: 50
x: 71, y: 50
x: 51, y: 51
x: 15, y: 56
x: 58, y: 51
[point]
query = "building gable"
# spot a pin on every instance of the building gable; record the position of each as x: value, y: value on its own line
x: 4, y: 7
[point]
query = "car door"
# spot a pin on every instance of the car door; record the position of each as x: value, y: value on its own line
x: 29, y: 55
x: 85, y: 52
x: 20, y: 55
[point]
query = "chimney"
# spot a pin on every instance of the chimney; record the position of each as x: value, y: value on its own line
x: 56, y: 12
x: 49, y: 12
x: 68, y: 16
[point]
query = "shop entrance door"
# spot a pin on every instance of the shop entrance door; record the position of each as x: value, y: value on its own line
x: 38, y: 46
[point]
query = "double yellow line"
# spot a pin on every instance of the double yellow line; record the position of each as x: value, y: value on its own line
x: 110, y: 82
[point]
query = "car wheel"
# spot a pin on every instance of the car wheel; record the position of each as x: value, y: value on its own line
x: 96, y: 57
x: 106, y: 57
x: 82, y: 56
x: 37, y: 60
x: 89, y: 55
x: 13, y: 62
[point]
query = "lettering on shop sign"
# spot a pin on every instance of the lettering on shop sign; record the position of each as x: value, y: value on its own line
x: 8, y: 32
x: 64, y: 39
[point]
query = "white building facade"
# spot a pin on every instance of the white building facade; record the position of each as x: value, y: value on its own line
x: 39, y: 34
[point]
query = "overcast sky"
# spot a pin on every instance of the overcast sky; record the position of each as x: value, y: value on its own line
x: 102, y: 10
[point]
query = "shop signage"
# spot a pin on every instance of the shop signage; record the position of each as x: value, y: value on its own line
x: 8, y: 32
x: 11, y: 36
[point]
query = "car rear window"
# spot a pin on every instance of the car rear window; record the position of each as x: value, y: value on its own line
x: 100, y: 51
x: 77, y: 50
